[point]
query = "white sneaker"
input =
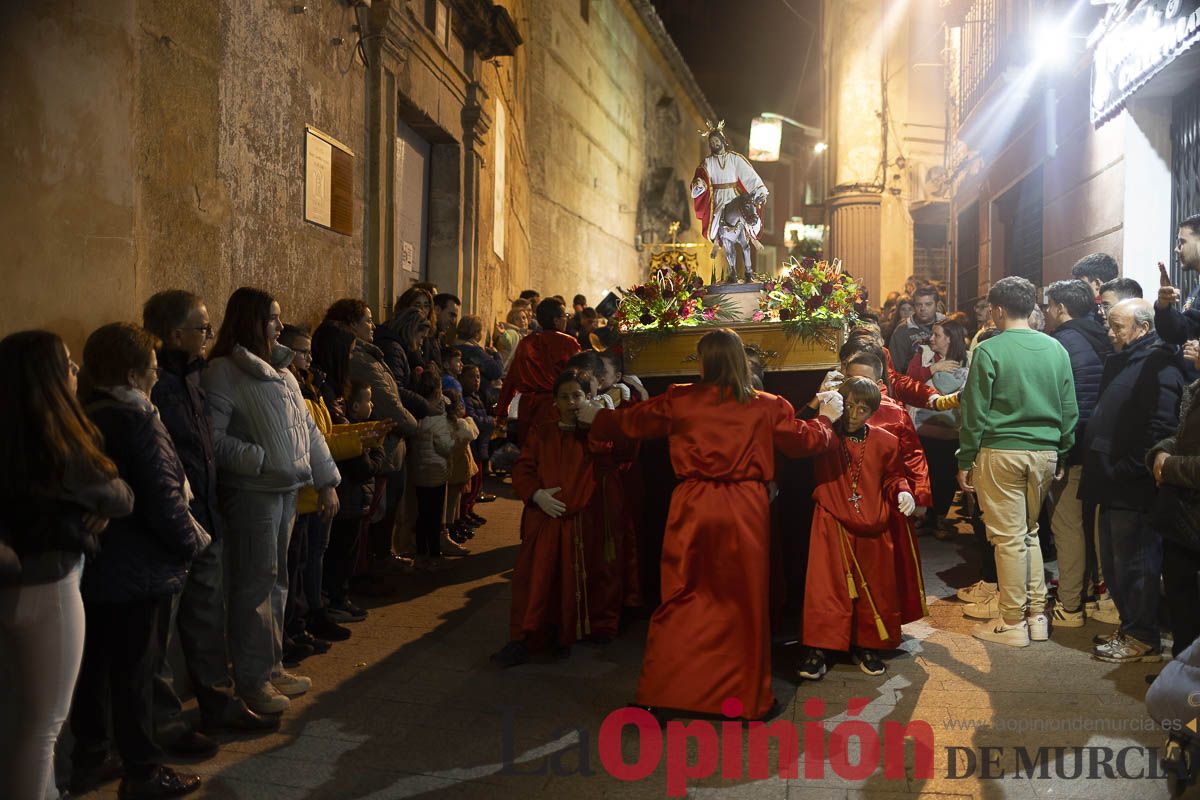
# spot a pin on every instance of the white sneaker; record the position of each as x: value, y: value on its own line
x: 265, y: 700
x: 978, y: 592
x: 997, y: 631
x: 1039, y: 627
x: 291, y: 685
x: 988, y: 609
x: 1106, y: 611
x: 1067, y: 619
x: 451, y: 547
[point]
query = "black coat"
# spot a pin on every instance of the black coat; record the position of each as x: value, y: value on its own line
x: 397, y: 360
x: 356, y: 492
x: 1138, y: 407
x: 147, y: 553
x: 1087, y: 345
x: 183, y: 408
x: 1177, y: 326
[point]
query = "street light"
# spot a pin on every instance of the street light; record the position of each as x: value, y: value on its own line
x: 766, y: 135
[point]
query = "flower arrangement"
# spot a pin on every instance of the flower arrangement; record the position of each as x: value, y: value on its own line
x: 809, y: 296
x: 672, y: 298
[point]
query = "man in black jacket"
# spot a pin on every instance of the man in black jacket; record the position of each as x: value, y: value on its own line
x: 1139, y: 406
x: 1174, y: 325
x: 1070, y: 315
x: 180, y: 320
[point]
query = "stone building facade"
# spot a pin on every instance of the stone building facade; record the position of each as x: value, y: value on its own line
x: 496, y: 146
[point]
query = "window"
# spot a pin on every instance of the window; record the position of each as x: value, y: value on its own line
x: 1017, y: 229
x: 1185, y: 173
x: 967, y: 256
x: 437, y: 20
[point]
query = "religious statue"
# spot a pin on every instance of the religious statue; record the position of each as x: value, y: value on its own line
x: 728, y: 197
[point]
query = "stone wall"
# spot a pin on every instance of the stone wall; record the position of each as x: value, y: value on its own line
x: 612, y: 145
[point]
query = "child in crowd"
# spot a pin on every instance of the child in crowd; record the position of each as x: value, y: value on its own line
x: 452, y: 367
x: 555, y: 480
x: 358, y: 500
x: 851, y: 602
x: 478, y: 411
x: 462, y: 467
x: 429, y: 461
x: 609, y: 379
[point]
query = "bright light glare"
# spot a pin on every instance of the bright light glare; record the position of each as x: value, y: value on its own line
x: 1053, y: 44
x: 820, y: 147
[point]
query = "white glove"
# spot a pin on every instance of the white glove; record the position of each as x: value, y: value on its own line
x: 625, y: 392
x: 831, y: 405
x: 833, y: 379
x: 548, y: 503
x: 587, y: 413
x: 908, y: 505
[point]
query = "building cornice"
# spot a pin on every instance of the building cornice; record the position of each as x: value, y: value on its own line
x: 666, y: 46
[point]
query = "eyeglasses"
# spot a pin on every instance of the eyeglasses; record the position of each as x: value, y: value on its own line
x: 208, y: 330
x: 300, y: 352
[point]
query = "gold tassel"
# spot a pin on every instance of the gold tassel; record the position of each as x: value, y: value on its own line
x: 912, y: 548
x: 850, y: 588
x: 879, y: 626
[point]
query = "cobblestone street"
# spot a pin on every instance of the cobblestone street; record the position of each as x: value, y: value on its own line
x: 410, y: 705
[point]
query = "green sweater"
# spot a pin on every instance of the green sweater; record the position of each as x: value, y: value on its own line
x: 1019, y: 395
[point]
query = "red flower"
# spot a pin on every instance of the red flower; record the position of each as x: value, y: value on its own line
x: 813, y: 303
x: 785, y: 314
x: 769, y: 286
x: 808, y: 262
x: 697, y: 282
x: 642, y: 291
x: 788, y: 285
x: 668, y: 293
x: 669, y: 316
x: 826, y: 289
x: 647, y: 319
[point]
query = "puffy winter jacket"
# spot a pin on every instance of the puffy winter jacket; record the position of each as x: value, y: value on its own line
x: 396, y: 358
x: 432, y: 448
x: 1087, y: 345
x: 264, y: 436
x: 367, y: 366
x: 147, y: 553
x: 183, y: 408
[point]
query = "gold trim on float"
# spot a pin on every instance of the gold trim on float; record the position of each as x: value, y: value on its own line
x: 657, y: 354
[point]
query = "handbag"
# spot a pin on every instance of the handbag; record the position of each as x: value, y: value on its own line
x: 1176, y: 515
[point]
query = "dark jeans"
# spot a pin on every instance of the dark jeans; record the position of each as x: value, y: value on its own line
x: 198, y: 615
x: 431, y: 504
x: 120, y: 651
x: 379, y: 535
x: 306, y: 565
x: 1181, y: 579
x: 987, y: 553
x: 339, y: 557
x: 1131, y: 555
x: 943, y: 472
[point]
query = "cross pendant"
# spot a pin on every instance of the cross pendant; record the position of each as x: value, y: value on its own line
x: 854, y: 498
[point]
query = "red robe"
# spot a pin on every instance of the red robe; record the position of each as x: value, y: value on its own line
x: 894, y: 419
x: 907, y: 390
x: 538, y: 361
x: 550, y: 580
x: 846, y: 540
x: 710, y: 638
x: 605, y: 542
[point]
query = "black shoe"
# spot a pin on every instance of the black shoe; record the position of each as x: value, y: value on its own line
x: 486, y: 498
x: 85, y: 779
x: 456, y: 536
x: 320, y: 646
x: 812, y: 665
x: 345, y: 611
x: 322, y: 627
x: 475, y: 519
x: 869, y: 661
x: 239, y: 719
x: 295, y: 652
x: 163, y: 782
x: 460, y: 532
x: 511, y: 655
x: 191, y: 744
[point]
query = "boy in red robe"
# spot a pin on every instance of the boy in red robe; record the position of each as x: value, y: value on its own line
x: 850, y: 598
x: 555, y: 478
x: 537, y: 362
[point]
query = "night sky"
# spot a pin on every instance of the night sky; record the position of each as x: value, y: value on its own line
x: 748, y: 55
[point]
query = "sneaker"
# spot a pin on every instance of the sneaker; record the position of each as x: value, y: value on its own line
x: 978, y: 592
x: 1106, y: 611
x: 322, y: 627
x: 1039, y: 627
x: 869, y: 661
x: 265, y: 700
x: 997, y: 631
x: 1067, y: 619
x: 813, y: 666
x: 1105, y: 638
x: 511, y: 655
x: 345, y: 611
x: 162, y: 782
x: 1125, y: 649
x: 291, y: 685
x: 451, y: 547
x: 988, y: 609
